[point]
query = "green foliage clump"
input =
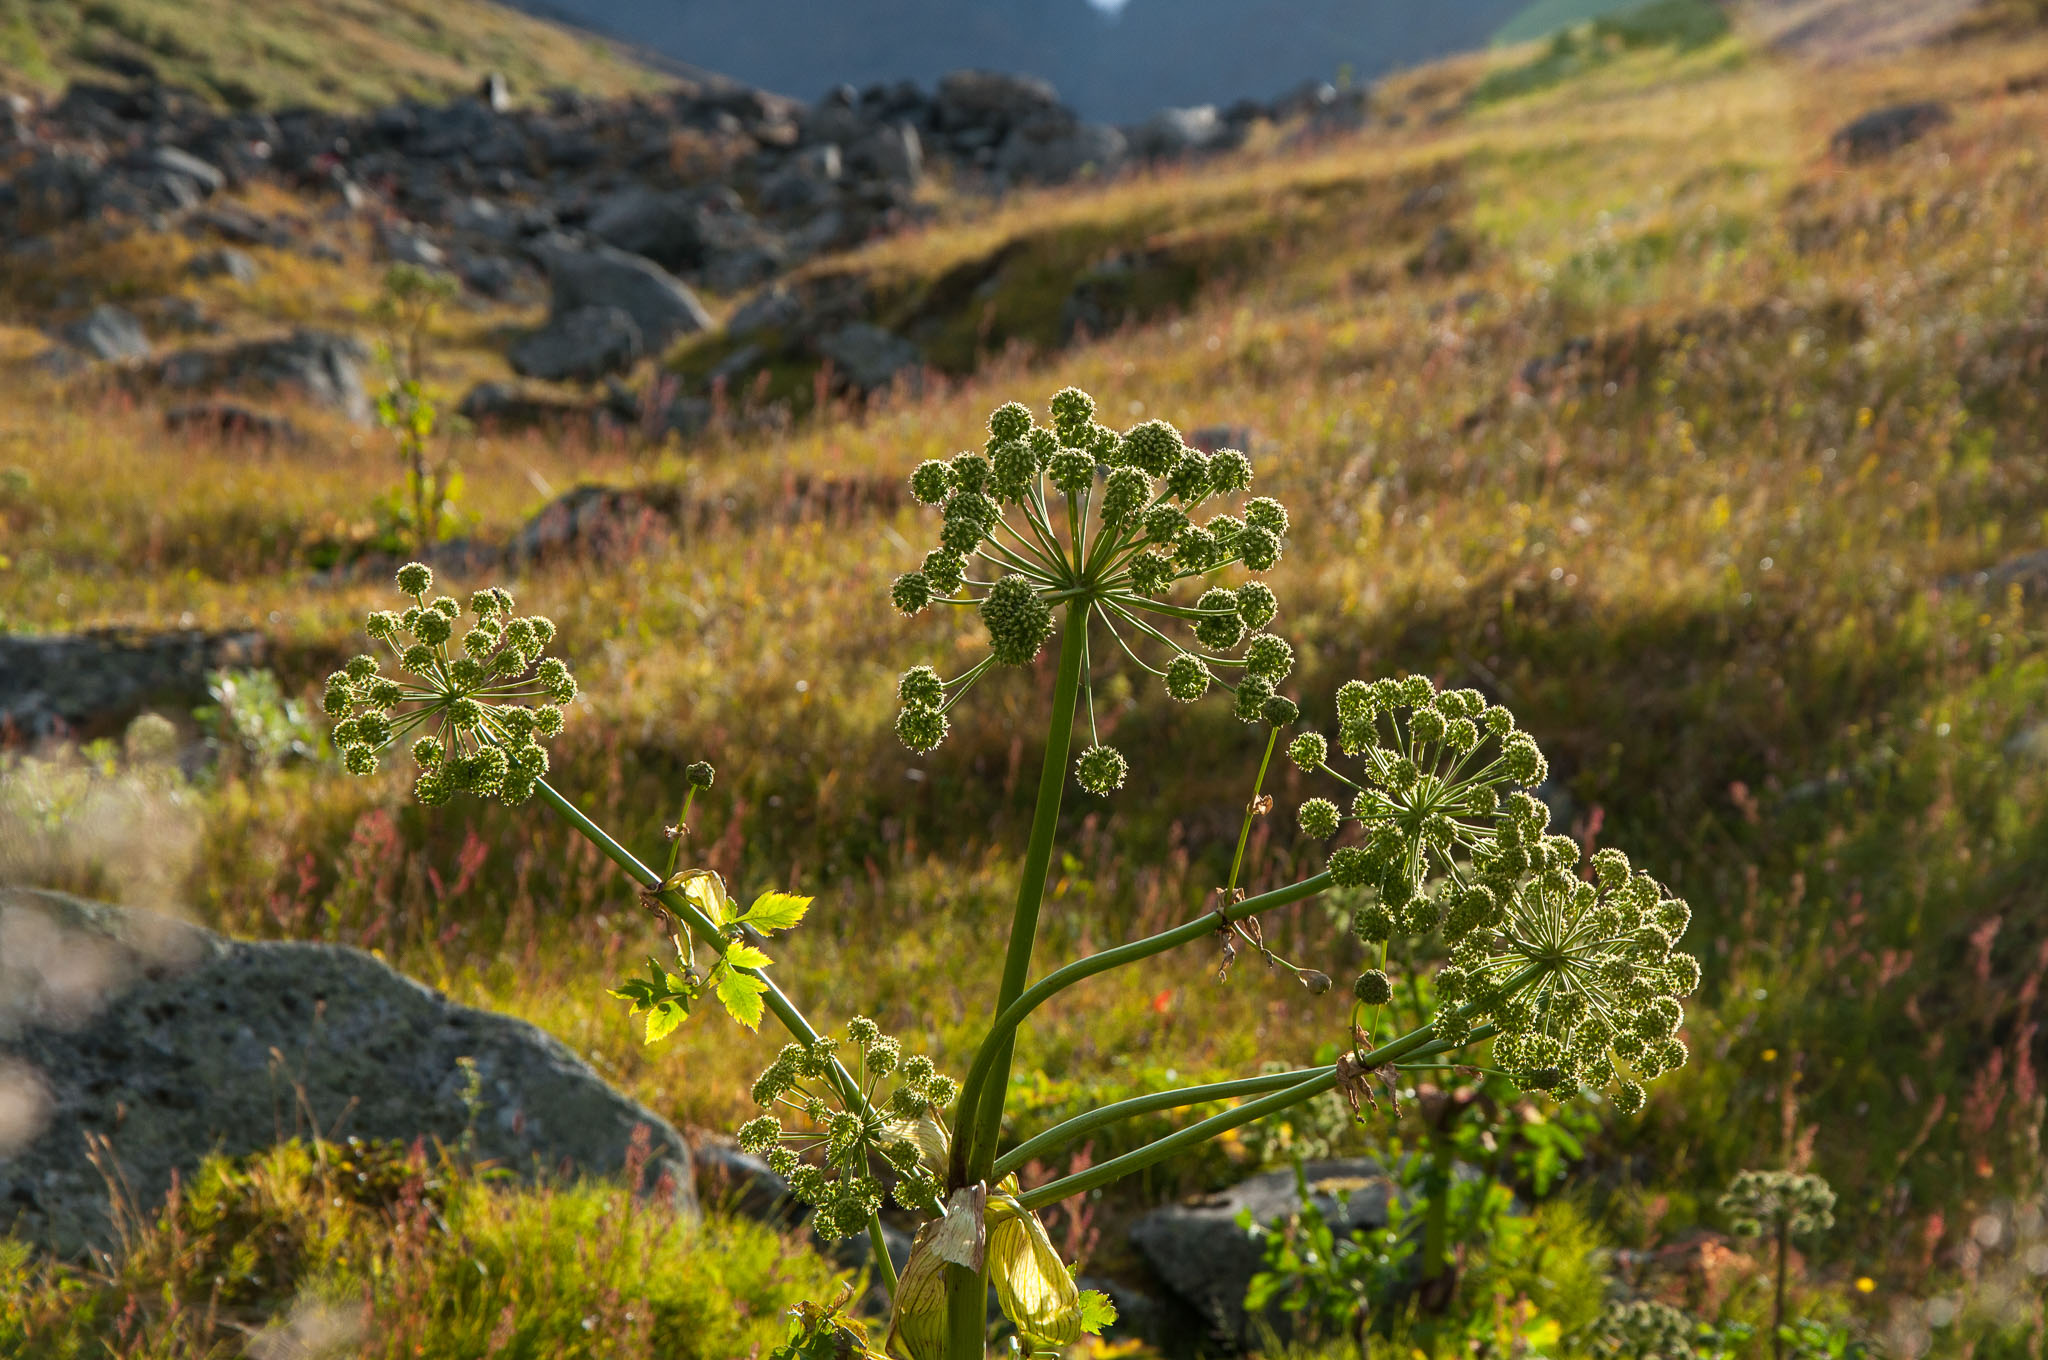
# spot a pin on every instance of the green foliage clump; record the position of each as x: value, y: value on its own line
x: 391, y: 1251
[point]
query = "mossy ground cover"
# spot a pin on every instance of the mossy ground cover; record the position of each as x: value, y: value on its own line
x: 1695, y: 462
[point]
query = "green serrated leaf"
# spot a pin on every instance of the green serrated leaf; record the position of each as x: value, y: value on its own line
x: 743, y: 955
x: 1097, y: 1311
x: 776, y: 911
x: 740, y: 994
x: 663, y: 1019
x: 636, y: 991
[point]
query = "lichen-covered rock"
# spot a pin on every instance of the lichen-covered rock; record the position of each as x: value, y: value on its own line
x: 174, y: 1042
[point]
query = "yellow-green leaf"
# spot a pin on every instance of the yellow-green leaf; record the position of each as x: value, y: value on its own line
x: 662, y: 1019
x: 706, y: 891
x: 746, y: 956
x: 740, y: 994
x: 1032, y: 1285
x: 1098, y: 1311
x: 776, y: 911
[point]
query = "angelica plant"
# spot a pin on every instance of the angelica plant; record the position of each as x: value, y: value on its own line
x: 1072, y: 537
x: 1778, y: 1205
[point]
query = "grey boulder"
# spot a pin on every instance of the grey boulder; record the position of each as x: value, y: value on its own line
x: 1055, y: 150
x: 1171, y: 133
x: 579, y: 346
x: 108, y: 332
x: 175, y: 1042
x: 771, y: 309
x: 225, y: 263
x: 868, y: 356
x: 326, y: 367
x: 660, y: 305
x: 1882, y: 131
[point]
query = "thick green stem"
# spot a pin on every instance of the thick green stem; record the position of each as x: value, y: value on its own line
x: 1437, y: 1216
x: 884, y: 1267
x: 1778, y: 1296
x: 978, y: 1121
x: 708, y: 934
x: 1063, y: 1134
x: 978, y: 1117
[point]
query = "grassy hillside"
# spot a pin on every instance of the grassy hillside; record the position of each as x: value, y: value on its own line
x: 355, y: 54
x: 1716, y: 458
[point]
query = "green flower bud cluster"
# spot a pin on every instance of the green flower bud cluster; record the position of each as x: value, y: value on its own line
x: 481, y: 705
x: 1645, y: 1330
x: 1579, y: 980
x: 1075, y: 514
x: 830, y: 1153
x: 1763, y: 1203
x: 1434, y: 769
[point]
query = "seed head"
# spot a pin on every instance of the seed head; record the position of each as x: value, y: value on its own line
x: 1263, y: 512
x: 1011, y: 420
x: 1153, y: 446
x: 1188, y: 478
x: 1259, y: 549
x: 1309, y: 752
x: 1187, y: 678
x: 1123, y: 494
x: 1073, y: 411
x: 931, y: 482
x: 1229, y: 472
x: 1256, y: 604
x: 1101, y: 769
x: 1269, y: 658
x: 1018, y: 621
x: 1318, y: 818
x: 1373, y: 988
x: 1072, y: 471
x: 972, y: 472
x: 921, y: 728
x: 911, y: 593
x: 1252, y: 693
x: 943, y: 571
x: 415, y: 579
x: 1220, y: 626
x: 920, y: 685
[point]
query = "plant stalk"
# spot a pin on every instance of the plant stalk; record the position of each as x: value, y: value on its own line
x: 978, y: 1118
x: 1416, y: 1042
x: 1778, y: 1297
x: 1062, y: 1134
x: 779, y: 1005
x: 978, y: 1121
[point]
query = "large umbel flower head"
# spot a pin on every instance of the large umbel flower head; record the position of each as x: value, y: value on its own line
x: 480, y: 705
x: 1579, y: 978
x: 1764, y: 1203
x: 1049, y: 515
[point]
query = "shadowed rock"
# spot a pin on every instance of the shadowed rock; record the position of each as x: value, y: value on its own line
x: 175, y: 1042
